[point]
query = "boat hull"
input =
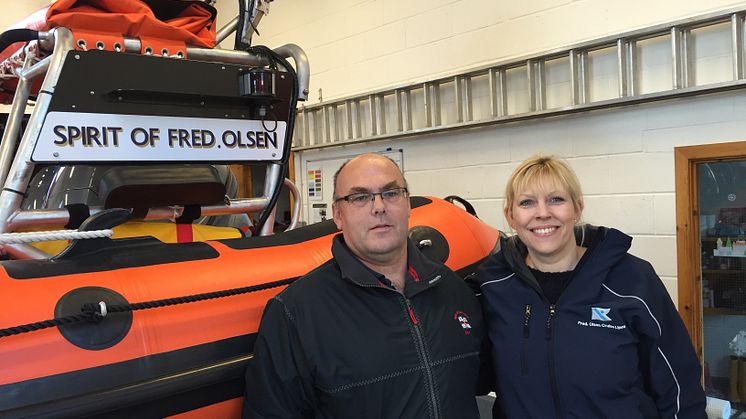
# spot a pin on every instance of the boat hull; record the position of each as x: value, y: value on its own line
x: 176, y: 358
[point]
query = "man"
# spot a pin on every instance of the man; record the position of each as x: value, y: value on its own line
x: 378, y: 331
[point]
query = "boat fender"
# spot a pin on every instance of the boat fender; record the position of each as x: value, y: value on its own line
x: 430, y: 242
x: 104, y: 330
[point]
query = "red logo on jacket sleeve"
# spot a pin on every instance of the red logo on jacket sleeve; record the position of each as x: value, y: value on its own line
x: 463, y: 319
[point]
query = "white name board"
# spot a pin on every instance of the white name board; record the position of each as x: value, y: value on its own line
x: 90, y: 137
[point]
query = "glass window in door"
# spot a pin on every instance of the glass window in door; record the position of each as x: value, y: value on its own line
x: 722, y: 203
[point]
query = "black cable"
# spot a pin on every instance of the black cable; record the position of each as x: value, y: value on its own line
x: 90, y: 311
x: 276, y: 58
x: 12, y: 36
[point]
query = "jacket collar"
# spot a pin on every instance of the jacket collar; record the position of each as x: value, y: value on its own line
x: 606, y: 246
x: 422, y: 273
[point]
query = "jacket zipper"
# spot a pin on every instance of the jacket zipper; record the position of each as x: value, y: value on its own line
x: 552, y: 372
x: 524, y: 349
x: 420, y: 344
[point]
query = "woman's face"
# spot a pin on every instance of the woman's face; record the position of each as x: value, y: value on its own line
x: 543, y: 216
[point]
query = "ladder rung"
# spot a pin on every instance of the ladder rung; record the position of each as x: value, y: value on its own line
x: 399, y: 110
x: 468, y: 107
x: 621, y: 67
x: 327, y: 138
x: 576, y: 78
x: 536, y: 85
x: 382, y: 114
x: 427, y: 98
x: 498, y: 95
x: 458, y: 102
x: 677, y: 58
x: 372, y: 116
x: 306, y: 127
x: 348, y: 118
x: 436, y: 104
x: 408, y: 103
x: 736, y: 26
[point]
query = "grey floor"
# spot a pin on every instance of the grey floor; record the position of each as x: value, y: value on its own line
x: 485, y: 408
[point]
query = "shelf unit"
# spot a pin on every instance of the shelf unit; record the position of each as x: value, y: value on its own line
x: 726, y: 277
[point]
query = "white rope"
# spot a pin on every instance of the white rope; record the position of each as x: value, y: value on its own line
x: 43, y: 236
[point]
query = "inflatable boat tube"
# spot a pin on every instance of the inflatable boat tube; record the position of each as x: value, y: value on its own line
x: 139, y: 328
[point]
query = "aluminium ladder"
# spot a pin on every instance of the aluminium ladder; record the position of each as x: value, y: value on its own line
x: 520, y: 88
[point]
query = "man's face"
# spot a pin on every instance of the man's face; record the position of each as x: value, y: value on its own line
x: 377, y: 231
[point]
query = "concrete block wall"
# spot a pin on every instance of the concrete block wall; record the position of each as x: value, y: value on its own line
x: 623, y: 157
x: 356, y: 46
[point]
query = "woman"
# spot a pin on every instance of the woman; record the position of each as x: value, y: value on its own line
x: 580, y: 328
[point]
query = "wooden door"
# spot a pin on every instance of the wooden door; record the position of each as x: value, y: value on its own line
x: 711, y: 254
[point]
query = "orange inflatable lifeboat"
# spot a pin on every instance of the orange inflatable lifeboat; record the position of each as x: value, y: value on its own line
x: 184, y: 315
x: 109, y: 316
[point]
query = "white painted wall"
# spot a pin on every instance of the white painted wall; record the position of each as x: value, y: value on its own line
x: 360, y: 45
x: 15, y: 11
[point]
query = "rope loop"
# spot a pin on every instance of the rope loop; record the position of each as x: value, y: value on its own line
x: 42, y: 236
x: 95, y: 312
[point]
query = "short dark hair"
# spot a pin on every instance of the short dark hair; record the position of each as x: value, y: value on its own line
x: 336, y: 174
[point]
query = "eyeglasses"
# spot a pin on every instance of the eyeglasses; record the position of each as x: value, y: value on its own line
x: 362, y: 199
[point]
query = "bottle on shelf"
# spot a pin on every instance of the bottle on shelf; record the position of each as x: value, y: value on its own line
x: 706, y: 301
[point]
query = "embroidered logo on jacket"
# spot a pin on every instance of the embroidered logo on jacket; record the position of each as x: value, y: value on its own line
x: 600, y: 314
x: 463, y: 319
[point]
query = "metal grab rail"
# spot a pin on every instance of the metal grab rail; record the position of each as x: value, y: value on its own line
x: 59, y: 217
x: 16, y: 165
x: 20, y: 171
x: 296, y: 203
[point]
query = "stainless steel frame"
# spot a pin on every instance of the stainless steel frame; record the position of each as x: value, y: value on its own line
x: 16, y: 166
x: 60, y: 217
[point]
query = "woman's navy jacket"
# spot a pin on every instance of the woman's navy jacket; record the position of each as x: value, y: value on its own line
x: 613, y: 346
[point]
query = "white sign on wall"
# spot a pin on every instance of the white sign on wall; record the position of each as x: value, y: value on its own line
x: 90, y: 137
x: 318, y: 183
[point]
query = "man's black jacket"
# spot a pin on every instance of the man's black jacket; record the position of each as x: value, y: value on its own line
x: 341, y: 343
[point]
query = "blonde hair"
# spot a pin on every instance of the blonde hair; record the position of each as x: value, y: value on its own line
x: 538, y: 169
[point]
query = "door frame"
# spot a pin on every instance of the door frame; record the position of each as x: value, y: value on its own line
x: 688, y: 246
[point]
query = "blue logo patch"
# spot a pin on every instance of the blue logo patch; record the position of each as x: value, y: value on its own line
x: 600, y: 314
